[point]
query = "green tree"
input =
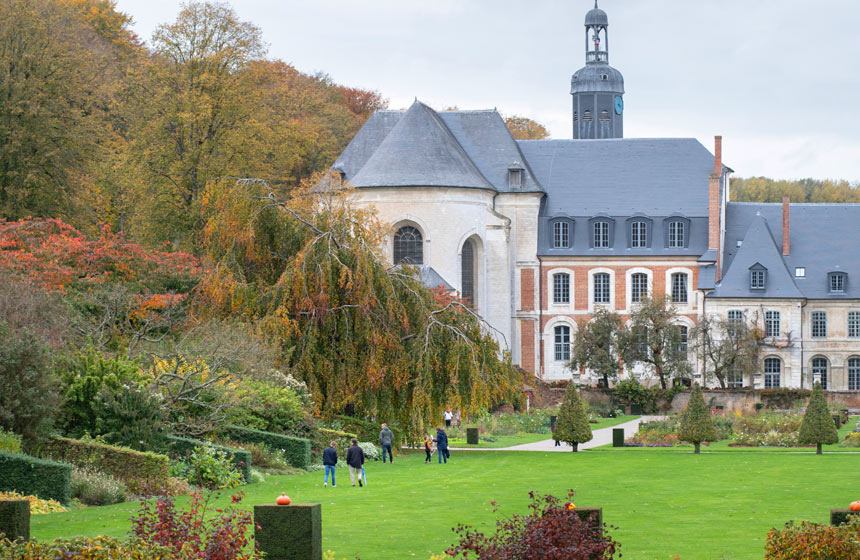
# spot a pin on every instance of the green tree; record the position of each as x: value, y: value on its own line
x: 571, y: 426
x: 727, y: 348
x: 818, y: 426
x: 597, y: 345
x: 696, y: 422
x: 524, y: 128
x: 653, y: 338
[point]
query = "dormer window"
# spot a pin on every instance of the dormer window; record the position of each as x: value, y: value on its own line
x: 342, y: 175
x: 676, y: 234
x: 676, y: 231
x: 638, y: 235
x: 560, y: 235
x: 837, y: 282
x: 758, y: 277
x: 515, y: 177
x: 601, y: 235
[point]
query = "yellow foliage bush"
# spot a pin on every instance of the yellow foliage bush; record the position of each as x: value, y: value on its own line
x: 37, y: 505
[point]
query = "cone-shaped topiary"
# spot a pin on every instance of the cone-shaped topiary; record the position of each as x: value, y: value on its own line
x: 696, y: 423
x: 572, y: 424
x: 818, y: 426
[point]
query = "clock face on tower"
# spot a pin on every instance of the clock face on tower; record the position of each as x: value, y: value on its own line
x: 619, y: 105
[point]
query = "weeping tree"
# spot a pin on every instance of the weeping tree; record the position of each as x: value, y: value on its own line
x: 367, y: 338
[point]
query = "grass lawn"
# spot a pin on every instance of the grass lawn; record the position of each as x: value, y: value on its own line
x: 520, y: 438
x: 711, y: 506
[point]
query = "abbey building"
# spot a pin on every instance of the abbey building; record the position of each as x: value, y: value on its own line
x: 537, y: 234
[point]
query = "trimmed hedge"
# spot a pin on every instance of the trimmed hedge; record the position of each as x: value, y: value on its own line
x: 326, y: 436
x: 296, y: 450
x: 35, y: 477
x: 15, y: 519
x: 292, y: 532
x: 123, y: 463
x: 842, y: 516
x: 240, y: 458
x: 369, y: 431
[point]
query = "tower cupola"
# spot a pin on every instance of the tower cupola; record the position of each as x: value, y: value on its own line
x: 597, y: 88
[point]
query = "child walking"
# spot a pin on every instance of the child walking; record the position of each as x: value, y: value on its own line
x: 428, y: 448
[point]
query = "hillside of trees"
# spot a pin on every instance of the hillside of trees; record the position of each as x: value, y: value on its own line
x: 763, y: 189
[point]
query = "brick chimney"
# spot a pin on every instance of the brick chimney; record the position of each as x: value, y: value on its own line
x: 714, y: 196
x: 718, y: 155
x: 786, y: 210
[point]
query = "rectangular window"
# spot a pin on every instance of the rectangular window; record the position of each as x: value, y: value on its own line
x: 854, y: 324
x: 772, y: 369
x: 638, y: 235
x: 757, y: 279
x: 515, y: 177
x: 679, y: 287
x: 561, y: 235
x: 734, y: 378
x: 601, y: 288
x: 819, y: 324
x: 800, y: 272
x: 561, y: 288
x: 837, y: 283
x: 771, y: 323
x: 685, y: 333
x: 562, y: 344
x: 735, y: 316
x: 601, y: 235
x: 854, y: 374
x: 676, y: 235
x: 638, y: 287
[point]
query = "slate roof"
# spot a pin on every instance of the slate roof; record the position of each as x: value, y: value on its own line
x: 824, y: 238
x: 420, y: 147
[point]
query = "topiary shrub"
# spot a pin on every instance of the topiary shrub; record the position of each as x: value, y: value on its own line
x: 472, y: 436
x: 297, y: 450
x: 817, y: 426
x: 182, y: 448
x: 289, y: 532
x: 15, y: 519
x: 696, y: 423
x: 572, y: 424
x: 36, y: 477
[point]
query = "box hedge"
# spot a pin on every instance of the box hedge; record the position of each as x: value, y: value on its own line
x: 15, y: 519
x: 292, y: 532
x: 369, y: 431
x: 123, y: 463
x: 182, y: 446
x: 326, y: 436
x: 35, y: 477
x: 296, y: 450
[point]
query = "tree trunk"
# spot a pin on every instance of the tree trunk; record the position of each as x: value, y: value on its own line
x: 606, y: 381
x: 818, y: 450
x: 698, y: 445
x: 573, y: 446
x: 659, y: 372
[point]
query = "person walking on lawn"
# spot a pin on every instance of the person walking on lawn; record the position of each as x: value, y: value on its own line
x: 442, y: 445
x: 355, y: 460
x: 386, y: 438
x: 330, y: 462
x: 428, y: 448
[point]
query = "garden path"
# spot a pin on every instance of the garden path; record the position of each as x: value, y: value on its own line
x: 603, y: 436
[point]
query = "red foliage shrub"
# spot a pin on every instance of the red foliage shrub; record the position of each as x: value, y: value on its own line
x: 550, y: 531
x: 189, y: 535
x: 811, y: 541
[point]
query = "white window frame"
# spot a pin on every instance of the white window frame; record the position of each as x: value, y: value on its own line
x: 561, y: 288
x: 853, y: 366
x: 561, y: 235
x: 639, y: 234
x: 772, y: 316
x: 837, y: 283
x: 819, y: 366
x: 600, y: 233
x: 676, y: 235
x: 853, y: 329
x: 758, y: 279
x: 685, y: 285
x: 818, y: 324
x: 559, y: 348
x: 770, y: 375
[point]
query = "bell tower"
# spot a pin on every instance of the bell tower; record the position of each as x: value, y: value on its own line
x: 597, y: 88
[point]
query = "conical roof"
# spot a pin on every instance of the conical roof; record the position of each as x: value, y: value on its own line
x: 420, y: 151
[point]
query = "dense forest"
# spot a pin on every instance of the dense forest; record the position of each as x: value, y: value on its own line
x: 762, y: 189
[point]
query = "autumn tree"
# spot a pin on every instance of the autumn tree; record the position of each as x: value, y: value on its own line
x: 572, y: 423
x: 696, y: 422
x: 727, y: 348
x: 597, y: 345
x: 764, y: 189
x: 524, y: 128
x: 818, y: 426
x: 654, y: 339
x: 364, y: 336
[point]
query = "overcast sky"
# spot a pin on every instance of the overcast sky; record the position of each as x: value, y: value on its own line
x: 777, y: 79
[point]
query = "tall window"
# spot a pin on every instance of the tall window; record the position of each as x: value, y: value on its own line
x: 819, y: 371
x: 837, y: 282
x: 638, y: 235
x: 638, y: 287
x: 682, y: 347
x: 734, y: 378
x: 408, y: 246
x: 561, y: 288
x: 734, y: 318
x: 679, y: 287
x: 854, y: 323
x: 771, y: 323
x: 819, y: 324
x: 772, y: 370
x: 515, y: 177
x: 467, y: 270
x: 757, y: 279
x: 601, y: 287
x: 561, y: 235
x: 601, y: 235
x: 562, y: 343
x: 854, y: 374
x: 676, y: 235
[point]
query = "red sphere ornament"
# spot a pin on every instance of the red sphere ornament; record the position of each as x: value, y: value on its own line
x: 283, y: 500
x: 855, y: 506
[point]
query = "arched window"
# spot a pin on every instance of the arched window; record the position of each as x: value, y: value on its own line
x: 408, y: 246
x: 854, y: 374
x: 467, y: 261
x: 561, y: 288
x: 819, y: 371
x: 638, y: 287
x: 561, y: 337
x: 772, y: 372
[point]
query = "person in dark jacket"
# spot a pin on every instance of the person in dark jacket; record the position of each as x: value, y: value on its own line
x: 386, y: 438
x: 355, y: 460
x: 442, y: 445
x: 330, y: 462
